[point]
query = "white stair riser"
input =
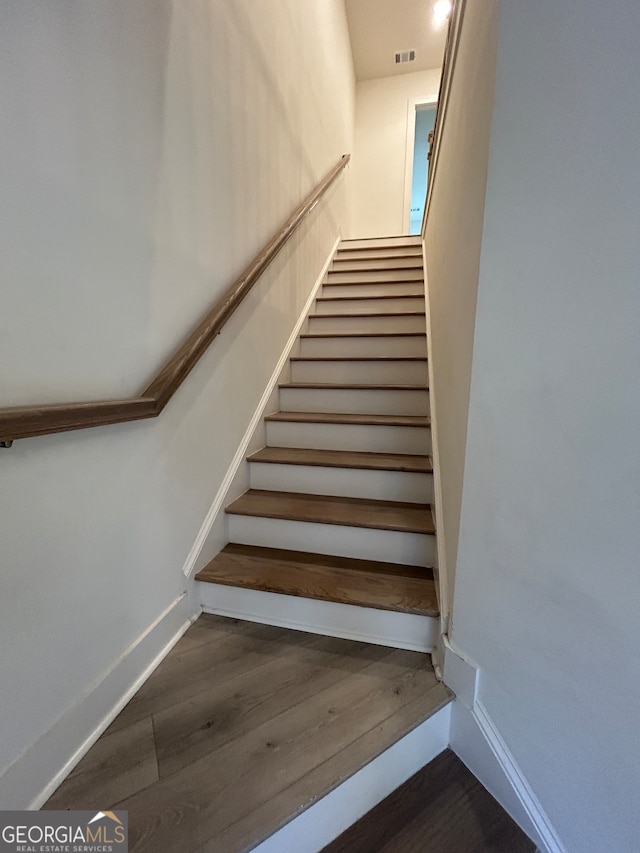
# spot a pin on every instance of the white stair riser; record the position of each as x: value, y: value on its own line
x: 366, y: 437
x: 365, y: 372
x: 353, y: 325
x: 380, y: 242
x: 355, y: 401
x: 384, y: 627
x: 375, y: 288
x: 368, y: 306
x: 365, y: 543
x: 383, y: 346
x: 375, y: 275
x: 341, y: 264
x: 379, y: 254
x: 409, y: 487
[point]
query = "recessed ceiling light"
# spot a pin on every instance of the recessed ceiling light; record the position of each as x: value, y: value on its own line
x: 441, y: 12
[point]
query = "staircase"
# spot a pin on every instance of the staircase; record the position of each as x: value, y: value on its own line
x: 336, y: 533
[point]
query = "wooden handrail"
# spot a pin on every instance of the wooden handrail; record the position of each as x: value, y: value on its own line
x: 27, y: 421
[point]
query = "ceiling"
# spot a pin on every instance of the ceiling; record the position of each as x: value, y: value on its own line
x: 380, y: 28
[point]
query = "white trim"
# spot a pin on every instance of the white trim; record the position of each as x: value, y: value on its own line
x: 327, y: 818
x: 35, y: 775
x: 217, y: 506
x: 460, y: 673
x: 475, y: 739
x: 412, y: 105
x: 351, y: 622
x: 537, y: 815
x: 442, y: 580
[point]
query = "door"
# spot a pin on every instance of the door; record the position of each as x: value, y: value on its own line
x: 425, y: 121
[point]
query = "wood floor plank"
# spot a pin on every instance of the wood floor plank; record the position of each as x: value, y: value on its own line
x: 117, y: 766
x: 186, y: 732
x: 189, y: 808
x: 442, y: 808
x: 185, y: 674
x: 245, y: 833
x: 326, y: 509
x: 346, y: 418
x: 383, y: 586
x: 343, y: 459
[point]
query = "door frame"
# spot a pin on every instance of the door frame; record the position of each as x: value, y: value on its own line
x: 413, y: 104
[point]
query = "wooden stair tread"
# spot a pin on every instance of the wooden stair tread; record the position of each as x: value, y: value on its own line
x: 382, y: 586
x: 382, y: 254
x: 383, y: 358
x: 343, y: 459
x: 348, y: 418
x: 364, y: 335
x: 392, y: 259
x: 360, y: 297
x: 327, y: 509
x: 374, y: 283
x: 388, y: 268
x: 371, y: 314
x: 353, y: 386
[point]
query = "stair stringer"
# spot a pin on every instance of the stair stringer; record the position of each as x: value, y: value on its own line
x: 212, y: 536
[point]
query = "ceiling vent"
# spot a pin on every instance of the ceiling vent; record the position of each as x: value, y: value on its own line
x: 404, y: 56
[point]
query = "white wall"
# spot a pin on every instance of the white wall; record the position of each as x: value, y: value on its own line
x: 453, y: 239
x: 380, y: 149
x: 148, y: 150
x: 547, y: 586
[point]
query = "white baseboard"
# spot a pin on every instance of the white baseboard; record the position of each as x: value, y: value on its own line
x: 34, y: 776
x: 476, y: 741
x: 191, y: 563
x: 380, y: 627
x: 326, y: 819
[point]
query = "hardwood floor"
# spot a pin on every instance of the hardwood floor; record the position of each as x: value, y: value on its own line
x: 242, y: 726
x: 442, y: 809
